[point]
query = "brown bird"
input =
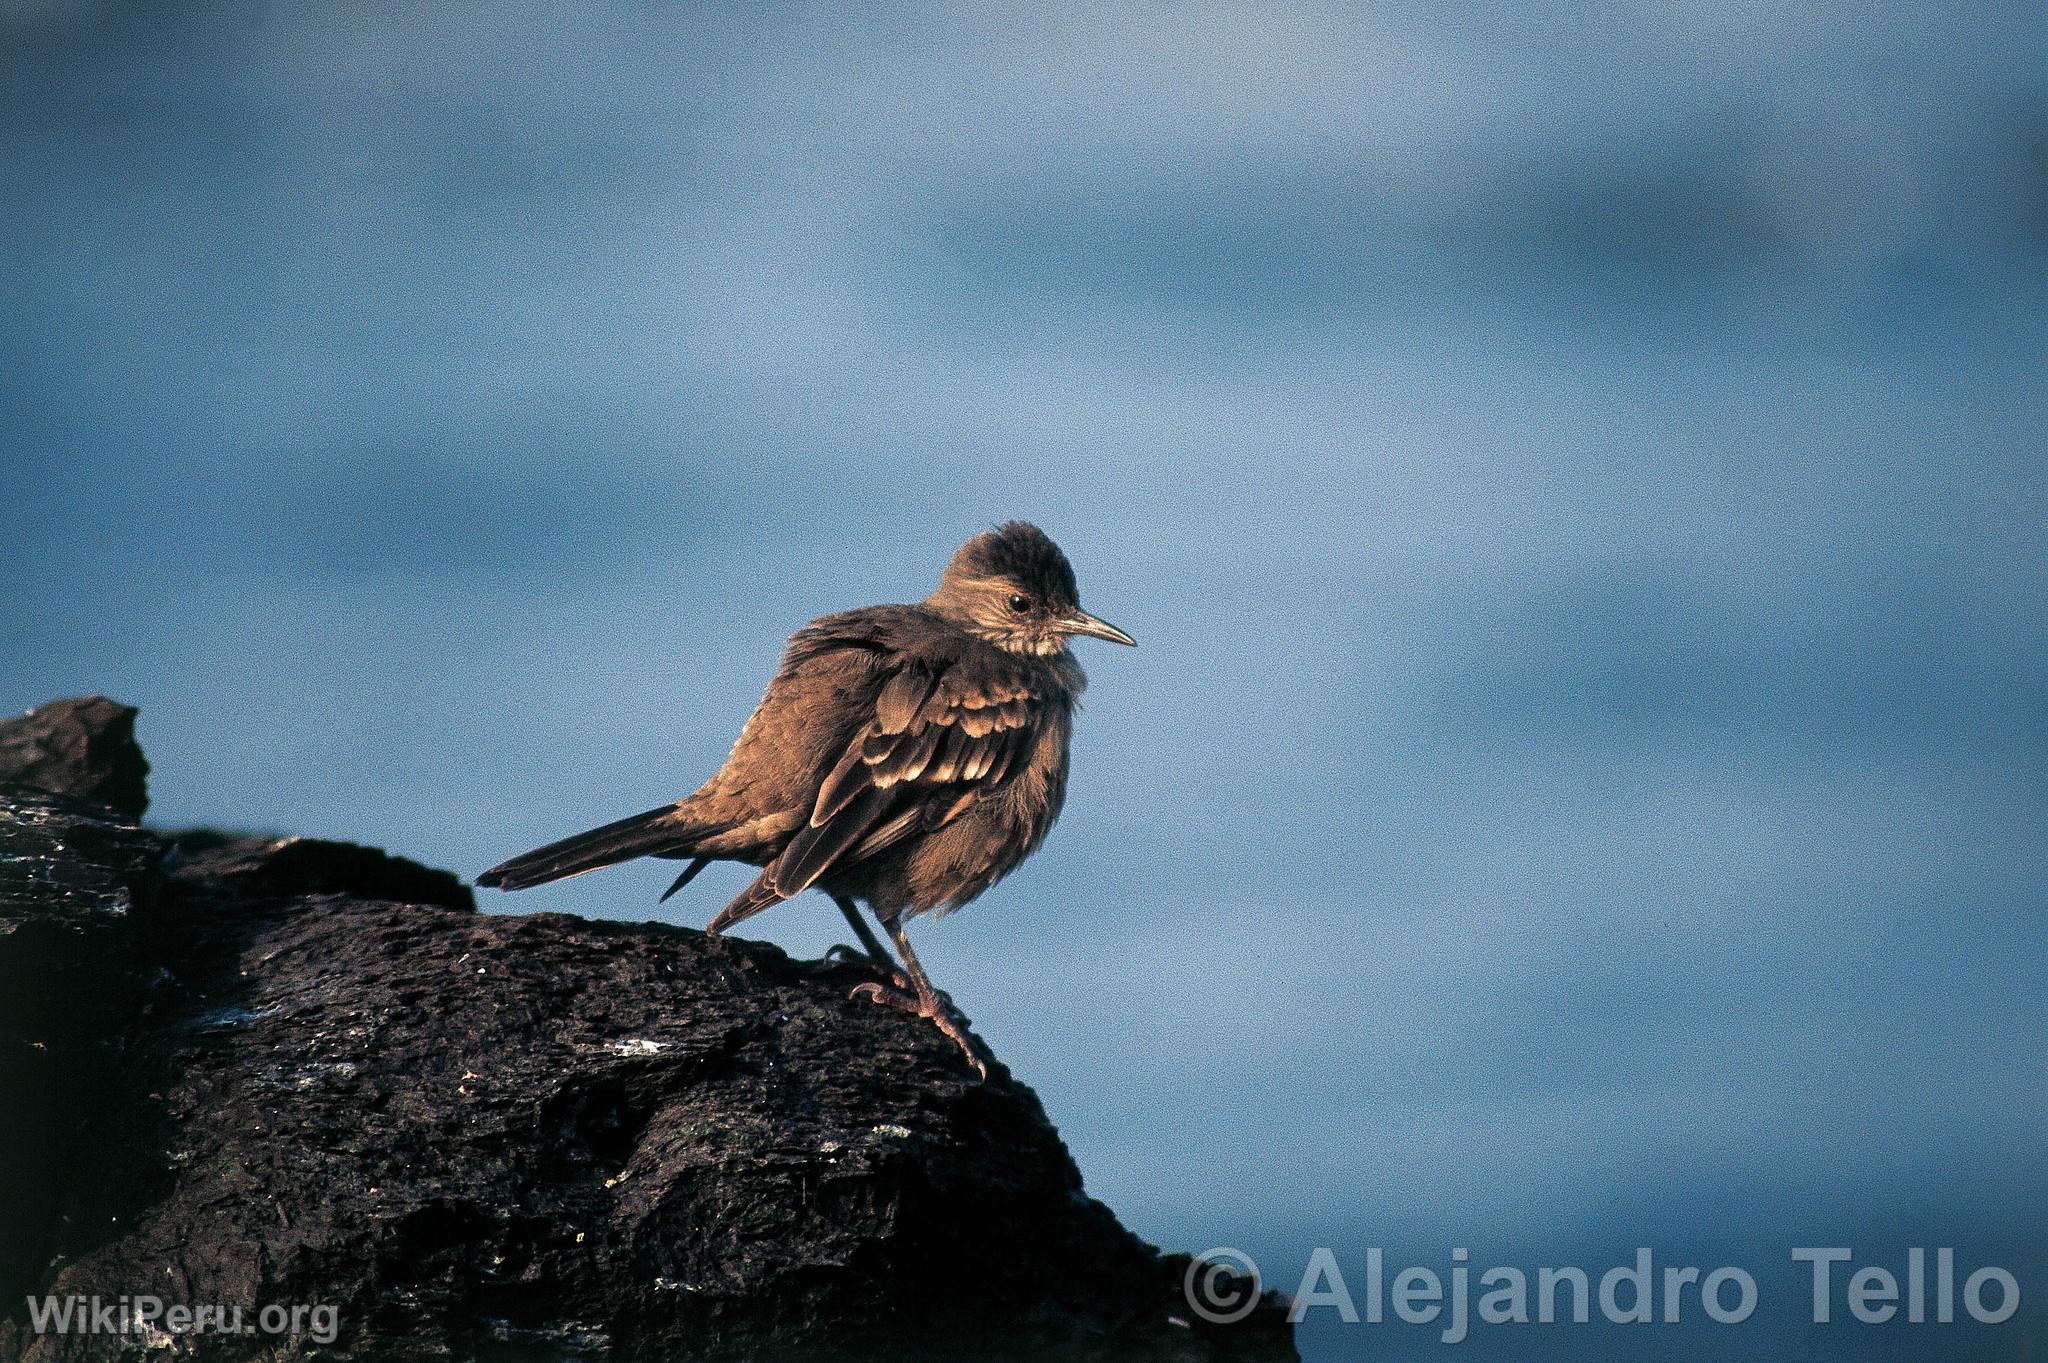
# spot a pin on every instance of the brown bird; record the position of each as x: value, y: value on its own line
x: 905, y: 756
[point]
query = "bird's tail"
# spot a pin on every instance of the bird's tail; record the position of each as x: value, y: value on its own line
x: 658, y: 832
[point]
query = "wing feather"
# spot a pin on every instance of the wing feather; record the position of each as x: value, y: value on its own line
x: 937, y: 743
x: 901, y: 699
x: 846, y: 781
x: 813, y: 850
x: 916, y: 758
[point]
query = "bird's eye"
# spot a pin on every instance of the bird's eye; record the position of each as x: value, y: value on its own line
x: 1019, y: 603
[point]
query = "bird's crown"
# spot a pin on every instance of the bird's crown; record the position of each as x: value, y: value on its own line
x: 1016, y: 552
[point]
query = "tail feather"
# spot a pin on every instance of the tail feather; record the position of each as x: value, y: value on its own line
x: 653, y: 833
x: 689, y: 874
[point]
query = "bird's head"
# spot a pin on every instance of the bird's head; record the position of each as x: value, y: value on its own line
x: 1013, y: 587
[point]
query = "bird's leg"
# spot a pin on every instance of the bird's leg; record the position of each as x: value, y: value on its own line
x: 878, y: 955
x: 927, y: 1002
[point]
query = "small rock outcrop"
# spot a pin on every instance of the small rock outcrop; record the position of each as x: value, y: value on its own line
x: 265, y: 1074
x: 83, y: 747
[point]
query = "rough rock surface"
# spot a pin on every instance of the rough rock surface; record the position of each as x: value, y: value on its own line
x: 274, y: 1072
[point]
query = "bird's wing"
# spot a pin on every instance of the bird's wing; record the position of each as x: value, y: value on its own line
x: 939, y: 740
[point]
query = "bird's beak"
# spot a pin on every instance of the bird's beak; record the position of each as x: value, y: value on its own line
x: 1081, y: 622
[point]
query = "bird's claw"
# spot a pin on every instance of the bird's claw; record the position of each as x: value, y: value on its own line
x: 894, y: 998
x: 948, y: 1024
x: 938, y: 1008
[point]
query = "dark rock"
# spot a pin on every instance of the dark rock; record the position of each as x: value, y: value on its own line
x: 228, y: 865
x: 83, y: 747
x: 70, y: 981
x: 514, y: 1138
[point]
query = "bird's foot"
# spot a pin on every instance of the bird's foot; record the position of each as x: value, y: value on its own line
x: 842, y: 954
x: 955, y: 1026
x: 938, y: 1008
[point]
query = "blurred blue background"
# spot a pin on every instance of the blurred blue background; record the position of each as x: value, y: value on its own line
x: 1576, y: 474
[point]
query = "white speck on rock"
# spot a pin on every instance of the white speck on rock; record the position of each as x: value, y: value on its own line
x: 227, y: 1019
